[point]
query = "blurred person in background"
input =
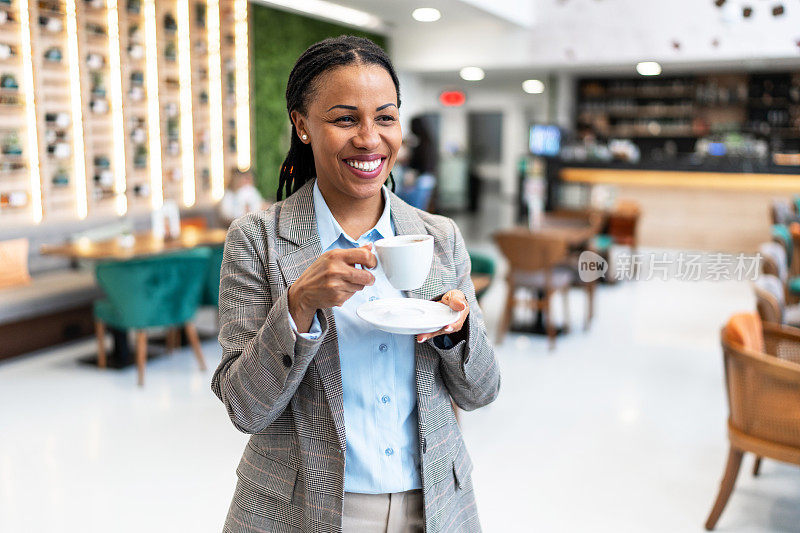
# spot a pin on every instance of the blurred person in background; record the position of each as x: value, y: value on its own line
x: 241, y: 197
x: 300, y: 371
x: 419, y: 159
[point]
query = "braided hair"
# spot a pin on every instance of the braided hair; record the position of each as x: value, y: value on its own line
x: 298, y: 167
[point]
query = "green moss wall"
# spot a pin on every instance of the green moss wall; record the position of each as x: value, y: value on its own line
x: 278, y: 38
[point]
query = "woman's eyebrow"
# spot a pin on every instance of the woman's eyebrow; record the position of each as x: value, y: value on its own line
x: 354, y: 108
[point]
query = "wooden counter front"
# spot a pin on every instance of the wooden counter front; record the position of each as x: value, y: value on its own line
x: 708, y: 211
x: 725, y: 181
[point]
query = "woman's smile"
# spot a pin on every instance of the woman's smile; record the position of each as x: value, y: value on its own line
x: 366, y: 166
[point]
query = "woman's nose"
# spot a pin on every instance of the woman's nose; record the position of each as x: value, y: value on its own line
x: 366, y: 138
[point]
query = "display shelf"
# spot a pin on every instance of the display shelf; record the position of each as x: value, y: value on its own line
x: 15, y: 187
x: 55, y: 121
x: 766, y: 106
x: 134, y: 94
x: 95, y: 72
x: 228, y: 54
x: 201, y: 124
x: 169, y: 99
x: 91, y: 159
x: 14, y: 174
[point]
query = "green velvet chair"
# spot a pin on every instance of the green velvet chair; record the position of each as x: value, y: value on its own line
x: 484, y: 265
x: 157, y: 291
x: 211, y: 291
x: 782, y: 235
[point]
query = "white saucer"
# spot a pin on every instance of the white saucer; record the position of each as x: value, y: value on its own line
x: 407, y: 316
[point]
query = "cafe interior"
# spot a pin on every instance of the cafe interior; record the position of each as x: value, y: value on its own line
x: 626, y: 176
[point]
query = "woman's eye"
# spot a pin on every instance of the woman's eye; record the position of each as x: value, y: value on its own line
x: 386, y: 118
x: 345, y: 120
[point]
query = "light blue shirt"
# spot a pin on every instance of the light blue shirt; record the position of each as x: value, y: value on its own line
x: 378, y: 376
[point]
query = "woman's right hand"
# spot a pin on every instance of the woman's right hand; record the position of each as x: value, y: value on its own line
x: 330, y: 281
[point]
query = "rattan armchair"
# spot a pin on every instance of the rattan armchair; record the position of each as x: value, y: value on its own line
x: 762, y: 374
x: 534, y: 264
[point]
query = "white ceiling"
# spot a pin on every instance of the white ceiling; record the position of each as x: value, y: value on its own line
x: 512, y: 37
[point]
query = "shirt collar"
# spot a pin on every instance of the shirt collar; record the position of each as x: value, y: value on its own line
x: 329, y: 229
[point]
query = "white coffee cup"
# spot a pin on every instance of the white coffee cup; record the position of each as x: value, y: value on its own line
x: 405, y: 259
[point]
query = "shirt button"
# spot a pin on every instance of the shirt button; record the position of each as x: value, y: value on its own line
x: 389, y: 451
x: 383, y: 347
x: 385, y: 399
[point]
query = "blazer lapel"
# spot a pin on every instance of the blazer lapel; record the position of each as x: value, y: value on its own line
x: 297, y: 226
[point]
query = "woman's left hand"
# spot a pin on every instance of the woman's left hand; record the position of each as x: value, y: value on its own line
x: 457, y: 302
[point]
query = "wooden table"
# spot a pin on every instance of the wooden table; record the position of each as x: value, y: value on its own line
x: 573, y: 231
x: 143, y: 244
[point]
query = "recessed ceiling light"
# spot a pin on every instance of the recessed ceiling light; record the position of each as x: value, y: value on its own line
x: 330, y: 10
x: 472, y: 73
x: 533, y: 86
x: 648, y: 68
x: 426, y: 14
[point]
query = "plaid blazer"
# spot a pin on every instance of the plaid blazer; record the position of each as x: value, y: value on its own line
x: 287, y: 391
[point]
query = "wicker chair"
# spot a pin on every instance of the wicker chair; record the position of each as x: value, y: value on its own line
x: 622, y: 224
x: 762, y: 374
x: 783, y: 211
x: 533, y: 264
x: 771, y: 302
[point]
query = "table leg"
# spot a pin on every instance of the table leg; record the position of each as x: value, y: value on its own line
x: 538, y: 327
x: 120, y: 354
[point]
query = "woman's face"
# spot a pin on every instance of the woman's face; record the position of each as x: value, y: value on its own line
x: 353, y: 128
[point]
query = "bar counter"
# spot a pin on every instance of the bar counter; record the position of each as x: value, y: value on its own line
x: 722, y: 206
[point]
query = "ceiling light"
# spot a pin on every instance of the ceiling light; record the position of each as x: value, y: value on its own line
x: 426, y: 14
x: 533, y: 86
x: 648, y: 68
x: 472, y: 73
x: 329, y: 10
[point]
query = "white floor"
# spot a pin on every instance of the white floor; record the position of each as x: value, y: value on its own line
x: 619, y: 429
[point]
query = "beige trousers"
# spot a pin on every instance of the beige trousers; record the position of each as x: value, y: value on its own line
x: 400, y: 512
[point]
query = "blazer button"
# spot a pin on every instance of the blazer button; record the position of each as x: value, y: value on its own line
x: 287, y: 361
x: 424, y: 445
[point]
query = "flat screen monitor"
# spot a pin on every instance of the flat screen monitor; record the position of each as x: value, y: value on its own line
x: 545, y: 140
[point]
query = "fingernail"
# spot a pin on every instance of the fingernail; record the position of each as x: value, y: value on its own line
x: 448, y: 329
x: 420, y: 340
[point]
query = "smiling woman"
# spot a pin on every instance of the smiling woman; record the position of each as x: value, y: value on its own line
x: 302, y: 372
x: 355, y: 136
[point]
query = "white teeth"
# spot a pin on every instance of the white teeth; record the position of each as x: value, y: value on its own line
x: 366, y: 166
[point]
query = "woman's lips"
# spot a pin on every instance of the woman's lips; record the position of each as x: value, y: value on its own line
x: 363, y: 173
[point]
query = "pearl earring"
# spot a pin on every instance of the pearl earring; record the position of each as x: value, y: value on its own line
x: 304, y: 136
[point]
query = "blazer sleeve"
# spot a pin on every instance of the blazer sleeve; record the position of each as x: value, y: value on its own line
x: 469, y: 366
x: 263, y: 360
